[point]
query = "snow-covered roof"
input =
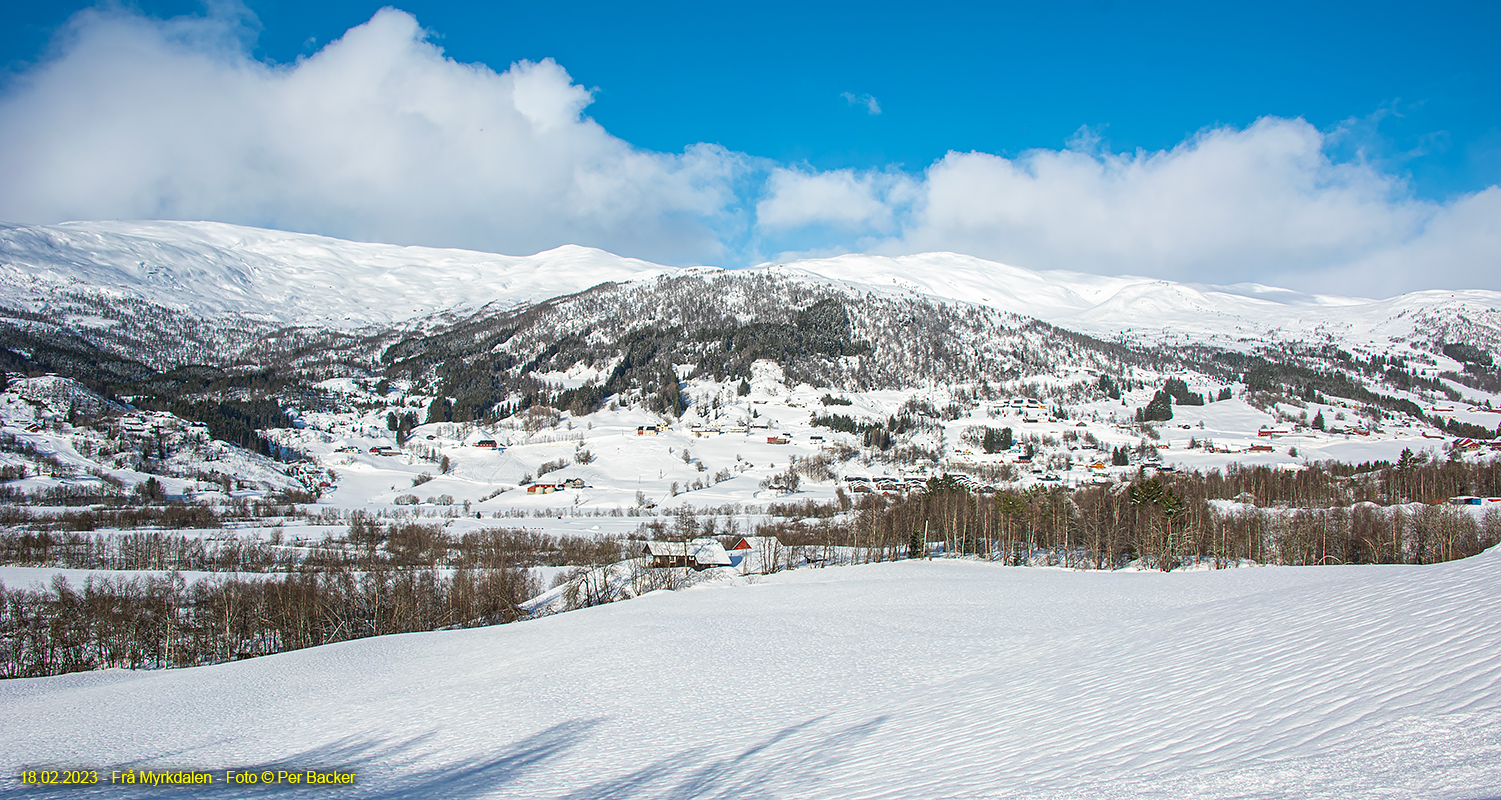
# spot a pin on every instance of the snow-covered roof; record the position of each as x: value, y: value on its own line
x: 705, y: 552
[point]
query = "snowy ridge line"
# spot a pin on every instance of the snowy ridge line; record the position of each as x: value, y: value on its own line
x: 212, y: 270
x: 1148, y: 309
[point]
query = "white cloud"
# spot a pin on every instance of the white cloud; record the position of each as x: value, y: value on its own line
x: 868, y: 101
x: 1458, y: 247
x: 842, y: 199
x: 376, y: 136
x: 1264, y: 203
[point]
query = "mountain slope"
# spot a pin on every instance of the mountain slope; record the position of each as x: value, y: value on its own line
x: 216, y: 269
x: 488, y: 336
x: 1151, y: 310
x: 81, y: 273
x: 910, y: 679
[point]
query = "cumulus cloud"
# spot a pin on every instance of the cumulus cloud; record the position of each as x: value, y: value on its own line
x: 842, y: 199
x: 377, y: 136
x: 867, y: 101
x: 1263, y: 203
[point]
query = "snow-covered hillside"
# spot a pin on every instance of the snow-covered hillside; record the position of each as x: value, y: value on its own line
x: 943, y: 679
x: 1150, y: 310
x: 211, y: 269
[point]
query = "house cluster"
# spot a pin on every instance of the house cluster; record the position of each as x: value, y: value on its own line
x: 549, y: 488
x: 884, y: 484
x: 1030, y: 409
x: 702, y: 431
x: 141, y: 423
x: 312, y: 476
x: 1475, y: 444
x: 1471, y: 500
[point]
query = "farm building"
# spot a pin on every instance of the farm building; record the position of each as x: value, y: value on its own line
x: 699, y: 554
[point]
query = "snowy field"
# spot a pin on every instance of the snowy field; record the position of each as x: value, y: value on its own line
x: 902, y: 680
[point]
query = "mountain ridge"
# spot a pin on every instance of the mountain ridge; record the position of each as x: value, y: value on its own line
x: 275, y: 278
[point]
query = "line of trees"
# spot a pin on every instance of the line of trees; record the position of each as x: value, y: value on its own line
x: 165, y: 621
x: 267, y: 596
x: 368, y: 544
x: 1329, y: 514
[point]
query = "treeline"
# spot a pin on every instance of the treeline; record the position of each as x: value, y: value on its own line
x: 880, y: 435
x: 1413, y: 478
x: 1163, y: 524
x: 150, y: 622
x: 138, y: 510
x: 369, y: 544
x: 269, y: 596
x: 1342, y: 380
x: 1327, y: 514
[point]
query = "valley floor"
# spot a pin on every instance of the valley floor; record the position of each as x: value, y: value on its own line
x: 914, y: 679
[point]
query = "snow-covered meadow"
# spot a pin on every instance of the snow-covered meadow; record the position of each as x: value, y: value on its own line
x: 901, y: 680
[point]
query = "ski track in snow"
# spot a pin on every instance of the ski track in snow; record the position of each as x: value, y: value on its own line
x: 905, y: 680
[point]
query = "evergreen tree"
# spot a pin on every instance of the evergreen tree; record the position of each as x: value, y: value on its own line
x: 996, y: 441
x: 439, y: 410
x: 1109, y: 388
x: 1160, y: 409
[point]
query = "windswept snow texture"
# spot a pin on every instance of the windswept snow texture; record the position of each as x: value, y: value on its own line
x: 212, y: 269
x: 902, y: 680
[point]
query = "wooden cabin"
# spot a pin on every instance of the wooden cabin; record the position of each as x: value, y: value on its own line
x: 699, y: 554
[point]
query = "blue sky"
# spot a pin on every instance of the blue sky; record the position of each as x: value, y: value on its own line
x: 763, y: 117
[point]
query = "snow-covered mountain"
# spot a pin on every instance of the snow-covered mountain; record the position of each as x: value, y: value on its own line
x: 179, y: 315
x: 211, y: 269
x: 108, y: 276
x: 1147, y: 309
